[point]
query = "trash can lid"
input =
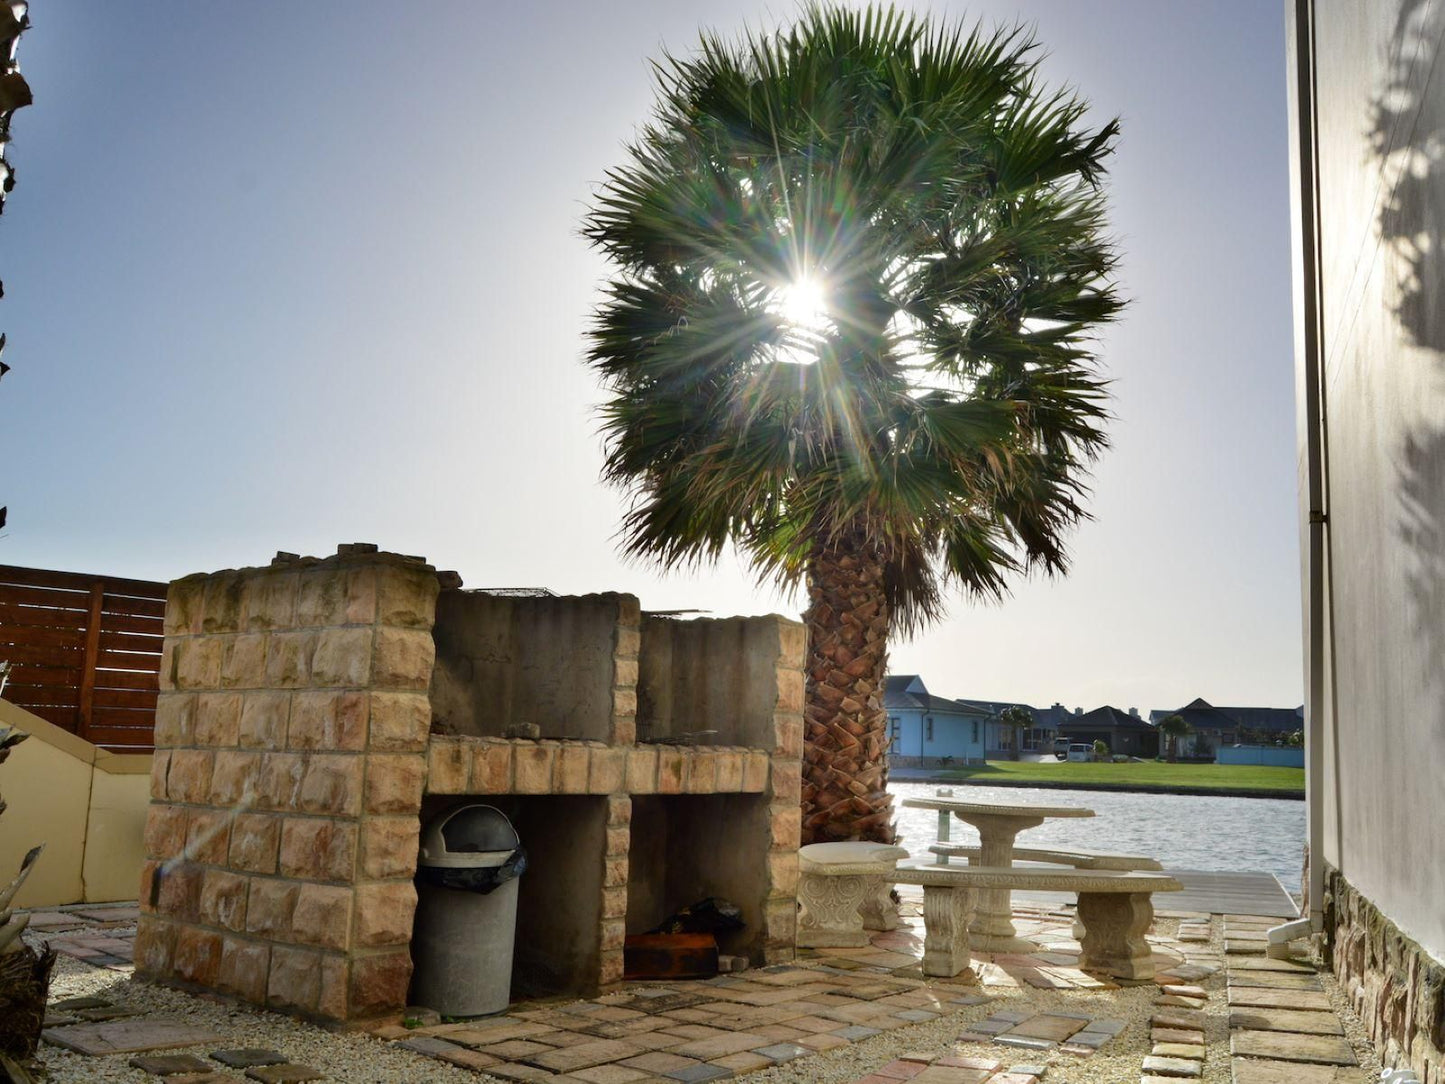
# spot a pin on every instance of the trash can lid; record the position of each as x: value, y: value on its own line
x: 469, y: 836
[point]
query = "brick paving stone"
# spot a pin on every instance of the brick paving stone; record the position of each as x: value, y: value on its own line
x: 515, y: 1049
x: 916, y: 1016
x: 657, y: 1062
x: 1264, y: 963
x: 1275, y: 980
x: 855, y: 1032
x: 823, y: 1041
x: 1024, y: 1042
x: 1261, y: 998
x: 57, y: 1019
x: 113, y: 1012
x: 568, y: 1058
x: 169, y: 1064
x: 899, y: 1070
x: 947, y: 1074
x: 698, y: 1073
x: 73, y: 1004
x: 1174, y: 1001
x: 463, y: 1058
x: 781, y: 1052
x: 128, y: 1036
x: 609, y: 1074
x: 429, y: 1045
x: 1185, y: 991
x: 1173, y: 1067
x: 1048, y: 1026
x: 1178, y: 1018
x: 285, y: 1073
x: 1307, y: 1023
x: 1014, y: 1078
x: 745, y: 1061
x: 718, y: 1045
x: 510, y: 1070
x: 1285, y: 1072
x: 1176, y: 1035
x: 1177, y: 1050
x: 247, y: 1057
x: 1283, y: 1046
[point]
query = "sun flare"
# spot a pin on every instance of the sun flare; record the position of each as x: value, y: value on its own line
x: 804, y: 304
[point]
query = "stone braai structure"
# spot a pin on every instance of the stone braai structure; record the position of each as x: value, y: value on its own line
x: 314, y: 712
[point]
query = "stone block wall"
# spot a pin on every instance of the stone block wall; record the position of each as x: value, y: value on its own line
x: 1394, y: 985
x: 291, y: 738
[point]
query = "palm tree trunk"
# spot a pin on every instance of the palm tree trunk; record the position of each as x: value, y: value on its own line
x: 845, y: 771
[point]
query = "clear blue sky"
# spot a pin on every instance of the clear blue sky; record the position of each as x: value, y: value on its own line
x: 285, y: 275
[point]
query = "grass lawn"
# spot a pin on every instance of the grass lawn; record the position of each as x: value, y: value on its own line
x: 1146, y: 773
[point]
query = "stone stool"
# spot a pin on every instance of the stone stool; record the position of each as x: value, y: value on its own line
x: 843, y: 889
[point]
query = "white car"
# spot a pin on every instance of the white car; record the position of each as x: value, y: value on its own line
x: 1081, y: 752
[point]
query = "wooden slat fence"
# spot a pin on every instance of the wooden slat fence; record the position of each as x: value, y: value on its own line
x: 85, y: 652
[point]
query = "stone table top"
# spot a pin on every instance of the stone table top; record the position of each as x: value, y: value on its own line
x: 964, y: 809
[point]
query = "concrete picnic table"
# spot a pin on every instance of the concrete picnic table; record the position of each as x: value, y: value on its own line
x: 998, y: 825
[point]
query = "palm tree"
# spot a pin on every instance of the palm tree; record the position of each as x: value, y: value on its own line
x: 1017, y: 719
x: 1174, y: 728
x: 860, y: 262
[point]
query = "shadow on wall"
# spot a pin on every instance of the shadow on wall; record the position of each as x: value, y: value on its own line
x: 1408, y: 138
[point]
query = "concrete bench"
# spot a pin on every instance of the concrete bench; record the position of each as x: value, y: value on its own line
x: 843, y: 889
x: 1079, y: 859
x: 1114, y: 907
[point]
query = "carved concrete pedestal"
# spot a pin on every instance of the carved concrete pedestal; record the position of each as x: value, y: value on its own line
x: 830, y: 915
x: 946, y: 911
x: 1114, y: 929
x: 843, y: 889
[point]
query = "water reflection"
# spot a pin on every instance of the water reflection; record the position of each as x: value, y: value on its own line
x: 1182, y: 831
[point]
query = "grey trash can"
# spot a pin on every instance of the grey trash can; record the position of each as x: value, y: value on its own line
x: 466, y: 912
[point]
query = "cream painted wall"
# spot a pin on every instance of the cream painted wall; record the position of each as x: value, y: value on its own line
x: 1380, y: 122
x: 88, y: 807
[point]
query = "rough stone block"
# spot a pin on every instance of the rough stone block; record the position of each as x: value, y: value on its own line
x: 402, y: 659
x: 243, y: 661
x: 629, y: 643
x: 619, y: 810
x: 606, y: 771
x: 571, y: 767
x: 783, y: 872
x: 790, y: 692
x: 155, y: 942
x: 625, y: 673
x: 406, y: 597
x: 264, y: 716
x: 223, y: 899
x: 198, y: 663
x: 322, y: 598
x: 189, y: 777
x: 208, y: 836
x: 532, y: 767
x: 269, y: 907
x: 786, y: 825
x: 254, y: 841
x: 788, y: 735
x: 729, y: 772
x: 332, y: 784
x: 619, y: 840
x: 671, y: 766
x: 185, y: 606
x: 280, y: 783
x: 179, y: 894
x: 642, y: 770
x: 328, y: 721
x: 235, y: 774
x: 491, y: 768
x: 288, y: 659
x: 701, y: 772
x: 197, y: 956
x: 342, y: 658
x: 175, y: 719
x: 170, y: 664
x: 614, y: 871
x: 613, y: 933
x: 331, y: 999
x: 160, y: 775
x: 400, y: 722
x: 780, y: 918
x: 165, y: 830
x: 755, y: 772
x: 271, y: 601
x: 623, y: 731
x: 448, y: 766
x: 245, y: 966
x: 224, y: 602
x: 322, y: 916
x: 378, y: 983
x: 614, y: 902
x: 389, y: 847
x: 384, y: 914
x: 624, y: 702
x: 394, y: 782
x: 787, y: 779
x: 318, y: 849
x: 295, y: 978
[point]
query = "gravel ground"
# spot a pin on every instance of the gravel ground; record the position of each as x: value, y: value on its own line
x: 359, y: 1058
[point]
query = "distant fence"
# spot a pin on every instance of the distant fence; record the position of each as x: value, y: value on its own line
x: 85, y: 652
x: 1278, y: 756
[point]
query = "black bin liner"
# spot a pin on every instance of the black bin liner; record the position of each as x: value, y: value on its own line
x: 478, y: 879
x: 705, y: 916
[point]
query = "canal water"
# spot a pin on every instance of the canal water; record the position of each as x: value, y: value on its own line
x: 1183, y: 831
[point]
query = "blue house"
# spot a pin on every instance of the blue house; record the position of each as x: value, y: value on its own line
x: 923, y: 727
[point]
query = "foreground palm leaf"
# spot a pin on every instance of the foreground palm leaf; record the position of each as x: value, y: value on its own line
x: 861, y: 260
